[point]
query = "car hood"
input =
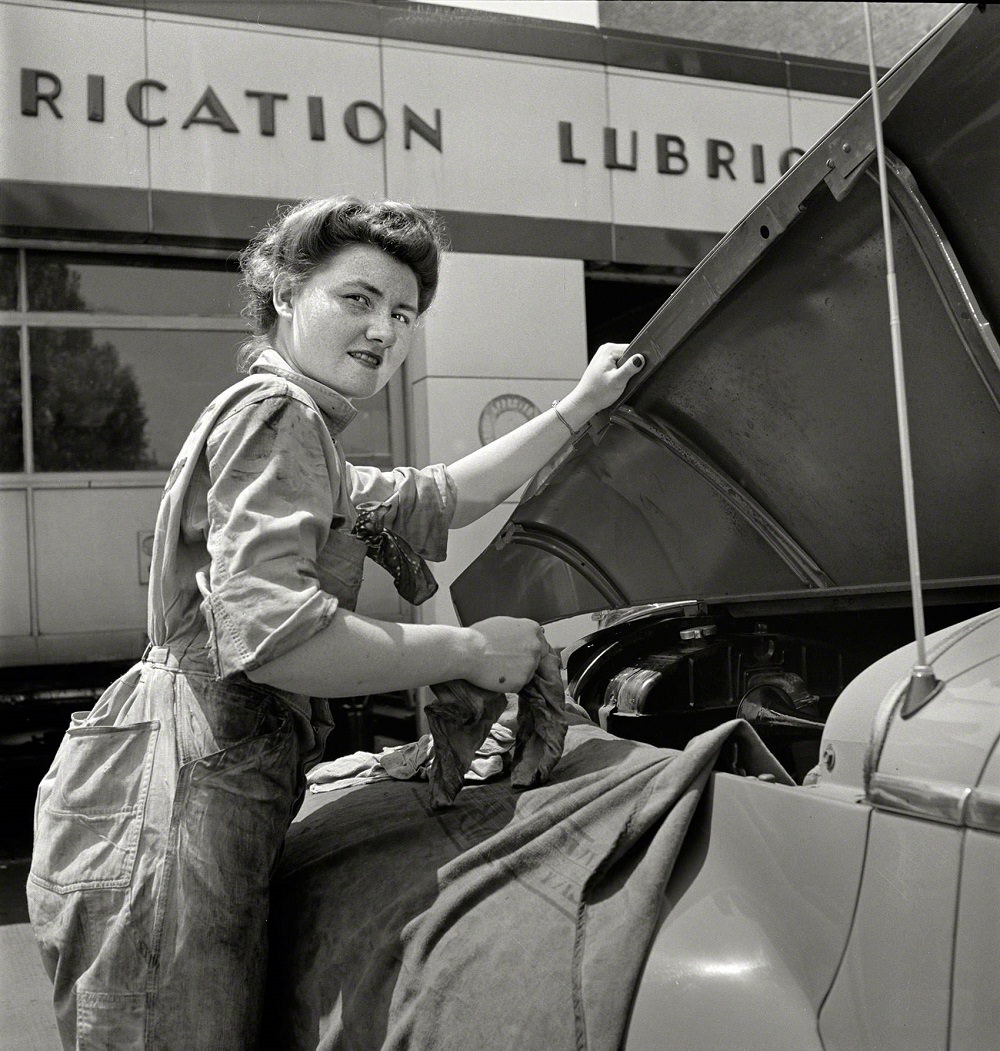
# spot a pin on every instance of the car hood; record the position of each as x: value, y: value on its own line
x: 756, y: 457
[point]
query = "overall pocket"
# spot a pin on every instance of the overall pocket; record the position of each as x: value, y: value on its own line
x: 214, y: 716
x: 90, y: 808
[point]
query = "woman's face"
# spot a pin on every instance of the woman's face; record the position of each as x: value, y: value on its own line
x: 350, y: 325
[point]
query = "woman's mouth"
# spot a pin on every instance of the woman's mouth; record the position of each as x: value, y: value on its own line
x: 369, y: 360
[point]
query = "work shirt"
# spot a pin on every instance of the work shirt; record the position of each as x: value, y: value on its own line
x: 253, y: 552
x: 163, y: 814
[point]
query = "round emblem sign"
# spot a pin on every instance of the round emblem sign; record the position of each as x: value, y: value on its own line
x: 502, y: 414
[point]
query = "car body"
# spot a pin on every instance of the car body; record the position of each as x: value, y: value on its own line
x: 736, y: 523
x: 858, y: 912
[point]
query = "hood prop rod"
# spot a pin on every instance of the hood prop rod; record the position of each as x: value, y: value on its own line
x: 923, y: 684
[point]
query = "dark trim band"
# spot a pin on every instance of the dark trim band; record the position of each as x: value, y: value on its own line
x: 77, y: 210
x: 65, y: 211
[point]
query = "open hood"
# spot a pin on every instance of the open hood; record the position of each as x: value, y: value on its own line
x: 756, y: 457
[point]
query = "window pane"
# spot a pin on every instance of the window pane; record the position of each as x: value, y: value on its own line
x: 122, y: 399
x: 11, y: 445
x: 131, y: 285
x: 8, y: 279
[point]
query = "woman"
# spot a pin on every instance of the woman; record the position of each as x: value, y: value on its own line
x: 163, y: 815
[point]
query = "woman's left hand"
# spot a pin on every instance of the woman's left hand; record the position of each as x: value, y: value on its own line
x: 602, y: 382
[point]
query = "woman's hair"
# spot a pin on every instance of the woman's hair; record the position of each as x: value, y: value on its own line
x: 307, y: 235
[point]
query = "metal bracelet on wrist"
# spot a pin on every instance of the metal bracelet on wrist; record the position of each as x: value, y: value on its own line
x: 555, y: 409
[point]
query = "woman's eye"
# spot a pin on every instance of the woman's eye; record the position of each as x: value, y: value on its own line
x: 357, y: 297
x: 405, y: 318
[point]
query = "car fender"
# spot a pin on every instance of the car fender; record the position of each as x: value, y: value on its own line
x: 756, y: 917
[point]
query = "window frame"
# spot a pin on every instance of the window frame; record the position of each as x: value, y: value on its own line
x: 21, y: 319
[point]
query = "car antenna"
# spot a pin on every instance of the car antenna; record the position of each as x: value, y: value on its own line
x: 923, y: 684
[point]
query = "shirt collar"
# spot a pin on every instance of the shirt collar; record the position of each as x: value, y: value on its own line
x: 339, y: 412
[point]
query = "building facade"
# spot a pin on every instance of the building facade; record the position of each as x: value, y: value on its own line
x: 581, y: 172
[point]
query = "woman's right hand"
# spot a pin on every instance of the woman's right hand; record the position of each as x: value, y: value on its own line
x: 505, y: 653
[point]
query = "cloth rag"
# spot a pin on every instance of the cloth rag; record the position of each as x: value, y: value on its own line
x: 404, y: 762
x: 461, y: 716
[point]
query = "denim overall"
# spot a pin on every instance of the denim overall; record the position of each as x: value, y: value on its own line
x: 163, y: 815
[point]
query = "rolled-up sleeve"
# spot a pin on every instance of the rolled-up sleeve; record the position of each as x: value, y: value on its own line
x: 420, y: 503
x: 270, y: 509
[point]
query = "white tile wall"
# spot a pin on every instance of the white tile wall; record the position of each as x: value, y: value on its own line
x: 500, y: 132
x: 463, y: 546
x: 15, y: 606
x: 79, y: 532
x: 72, y: 43
x: 455, y: 408
x: 504, y: 316
x: 502, y: 325
x: 694, y: 110
x: 190, y: 57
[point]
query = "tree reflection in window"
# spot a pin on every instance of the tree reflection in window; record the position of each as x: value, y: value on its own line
x: 52, y: 285
x: 11, y: 441
x: 87, y: 410
x: 8, y: 280
x: 11, y: 435
x: 110, y: 398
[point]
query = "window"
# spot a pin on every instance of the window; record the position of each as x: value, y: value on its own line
x: 621, y: 299
x: 122, y: 352
x: 150, y: 285
x: 8, y: 279
x: 11, y: 443
x: 121, y: 399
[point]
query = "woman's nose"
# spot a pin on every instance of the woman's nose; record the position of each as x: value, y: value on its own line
x: 381, y: 330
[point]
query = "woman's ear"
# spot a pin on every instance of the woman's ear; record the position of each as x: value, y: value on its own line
x: 282, y: 296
